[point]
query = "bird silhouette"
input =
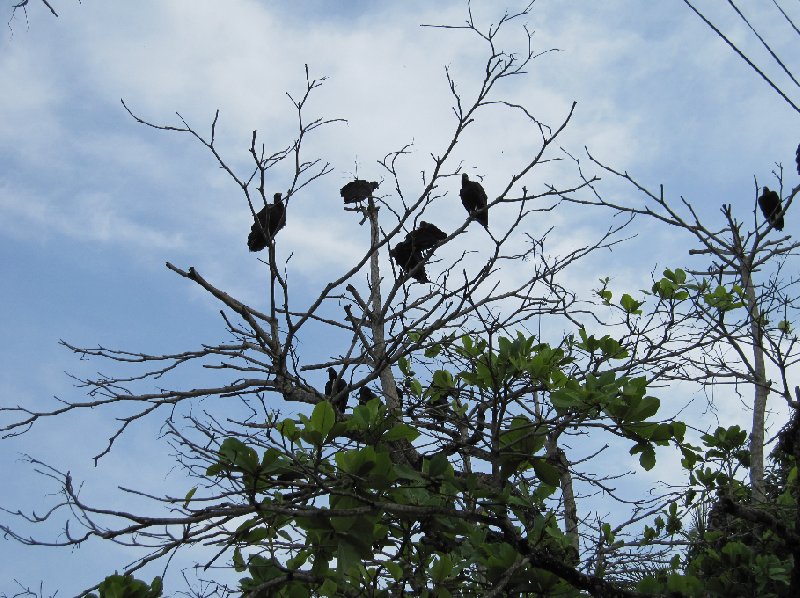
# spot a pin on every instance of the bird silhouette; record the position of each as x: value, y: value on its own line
x: 770, y: 204
x: 410, y: 260
x: 335, y: 390
x: 474, y: 199
x: 365, y: 395
x: 409, y: 253
x: 269, y: 221
x: 797, y: 158
x: 358, y: 190
x: 425, y: 236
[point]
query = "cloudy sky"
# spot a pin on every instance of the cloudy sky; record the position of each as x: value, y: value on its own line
x: 92, y: 204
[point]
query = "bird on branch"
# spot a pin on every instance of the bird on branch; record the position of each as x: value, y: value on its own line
x: 365, y: 395
x: 797, y: 159
x: 358, y: 190
x: 426, y: 236
x: 474, y: 199
x: 335, y: 391
x: 410, y: 260
x: 268, y: 222
x: 409, y: 253
x: 770, y: 204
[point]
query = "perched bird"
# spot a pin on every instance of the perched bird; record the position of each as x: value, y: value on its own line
x: 474, y: 199
x: 365, y: 395
x: 425, y: 236
x: 409, y: 258
x: 358, y: 190
x: 797, y: 158
x: 770, y: 204
x: 335, y: 390
x: 409, y: 253
x: 269, y: 221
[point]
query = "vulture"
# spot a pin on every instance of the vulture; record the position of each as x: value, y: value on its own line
x: 425, y: 236
x: 335, y: 391
x: 269, y: 221
x: 797, y: 159
x: 365, y: 395
x: 410, y: 258
x: 358, y: 190
x: 770, y: 205
x: 408, y: 253
x: 474, y: 199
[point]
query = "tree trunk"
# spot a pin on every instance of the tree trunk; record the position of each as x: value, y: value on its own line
x: 761, y: 389
x: 388, y: 384
x: 558, y: 459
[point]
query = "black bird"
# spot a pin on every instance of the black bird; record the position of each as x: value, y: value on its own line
x: 409, y: 258
x: 365, y: 395
x: 797, y: 159
x: 269, y: 221
x: 474, y: 199
x: 770, y: 204
x: 425, y: 236
x: 336, y: 393
x: 358, y: 190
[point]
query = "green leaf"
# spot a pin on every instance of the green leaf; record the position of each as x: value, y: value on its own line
x: 630, y: 305
x: 189, y: 496
x: 288, y: 429
x: 437, y: 466
x: 401, y: 431
x: 405, y: 366
x: 433, y: 350
x: 395, y: 570
x: 298, y: 561
x: 546, y: 472
x: 647, y: 459
x: 441, y: 569
x: 347, y: 557
x: 322, y: 419
x: 328, y: 588
x: 237, y: 453
x: 238, y: 561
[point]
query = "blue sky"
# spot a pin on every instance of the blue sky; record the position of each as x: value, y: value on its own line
x: 92, y: 204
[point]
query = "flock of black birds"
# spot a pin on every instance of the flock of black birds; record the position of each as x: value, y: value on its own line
x: 419, y: 244
x: 337, y: 393
x: 410, y: 254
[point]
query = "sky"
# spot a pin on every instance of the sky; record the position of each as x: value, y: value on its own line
x: 92, y: 204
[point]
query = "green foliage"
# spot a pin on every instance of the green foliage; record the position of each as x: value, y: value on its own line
x: 338, y: 540
x: 630, y: 305
x: 672, y: 286
x: 724, y: 300
x: 126, y: 586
